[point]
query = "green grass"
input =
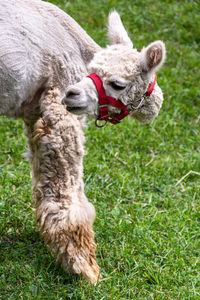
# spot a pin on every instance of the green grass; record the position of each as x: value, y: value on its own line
x: 147, y: 226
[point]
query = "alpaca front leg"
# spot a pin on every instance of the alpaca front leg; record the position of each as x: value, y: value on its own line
x: 63, y: 213
x: 69, y: 234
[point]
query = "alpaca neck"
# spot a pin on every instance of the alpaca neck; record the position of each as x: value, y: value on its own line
x: 86, y: 44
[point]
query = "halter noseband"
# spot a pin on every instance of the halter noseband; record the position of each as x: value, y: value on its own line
x: 105, y: 100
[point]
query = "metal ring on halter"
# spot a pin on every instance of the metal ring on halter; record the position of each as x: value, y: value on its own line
x: 140, y: 104
x: 98, y: 125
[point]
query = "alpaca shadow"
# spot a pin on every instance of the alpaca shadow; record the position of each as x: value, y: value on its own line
x: 27, y: 249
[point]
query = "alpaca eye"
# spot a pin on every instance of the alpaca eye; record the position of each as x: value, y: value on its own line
x: 117, y: 86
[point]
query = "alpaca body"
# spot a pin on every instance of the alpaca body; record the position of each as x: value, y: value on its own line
x: 39, y: 48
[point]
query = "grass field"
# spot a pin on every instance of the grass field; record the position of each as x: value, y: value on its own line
x: 148, y: 215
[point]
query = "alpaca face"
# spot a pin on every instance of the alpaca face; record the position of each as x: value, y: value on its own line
x: 125, y: 72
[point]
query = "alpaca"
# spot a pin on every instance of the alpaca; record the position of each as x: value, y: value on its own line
x: 45, y: 57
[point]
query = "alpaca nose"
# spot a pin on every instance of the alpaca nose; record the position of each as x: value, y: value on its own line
x: 72, y: 96
x: 72, y: 93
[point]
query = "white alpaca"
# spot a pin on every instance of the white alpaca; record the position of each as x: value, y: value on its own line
x: 43, y: 54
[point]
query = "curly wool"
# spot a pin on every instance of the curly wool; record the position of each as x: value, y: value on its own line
x: 63, y: 213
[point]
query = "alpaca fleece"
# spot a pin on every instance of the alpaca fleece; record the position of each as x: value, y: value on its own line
x: 64, y: 215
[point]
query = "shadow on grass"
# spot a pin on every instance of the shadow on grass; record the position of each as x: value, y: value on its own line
x: 24, y: 253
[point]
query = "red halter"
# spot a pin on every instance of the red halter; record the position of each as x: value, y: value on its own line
x: 105, y: 100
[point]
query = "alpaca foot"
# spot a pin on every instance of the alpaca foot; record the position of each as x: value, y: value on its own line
x: 90, y: 271
x: 79, y: 265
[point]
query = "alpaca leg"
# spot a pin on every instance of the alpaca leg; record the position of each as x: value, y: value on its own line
x: 69, y: 234
x: 64, y: 215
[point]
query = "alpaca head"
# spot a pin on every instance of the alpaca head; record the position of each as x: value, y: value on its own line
x: 124, y: 71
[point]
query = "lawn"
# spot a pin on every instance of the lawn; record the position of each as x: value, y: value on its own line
x: 148, y: 211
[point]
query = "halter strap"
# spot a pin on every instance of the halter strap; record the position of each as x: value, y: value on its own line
x: 105, y: 100
x: 151, y: 86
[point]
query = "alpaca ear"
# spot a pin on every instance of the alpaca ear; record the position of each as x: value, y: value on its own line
x: 116, y: 31
x: 153, y: 56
